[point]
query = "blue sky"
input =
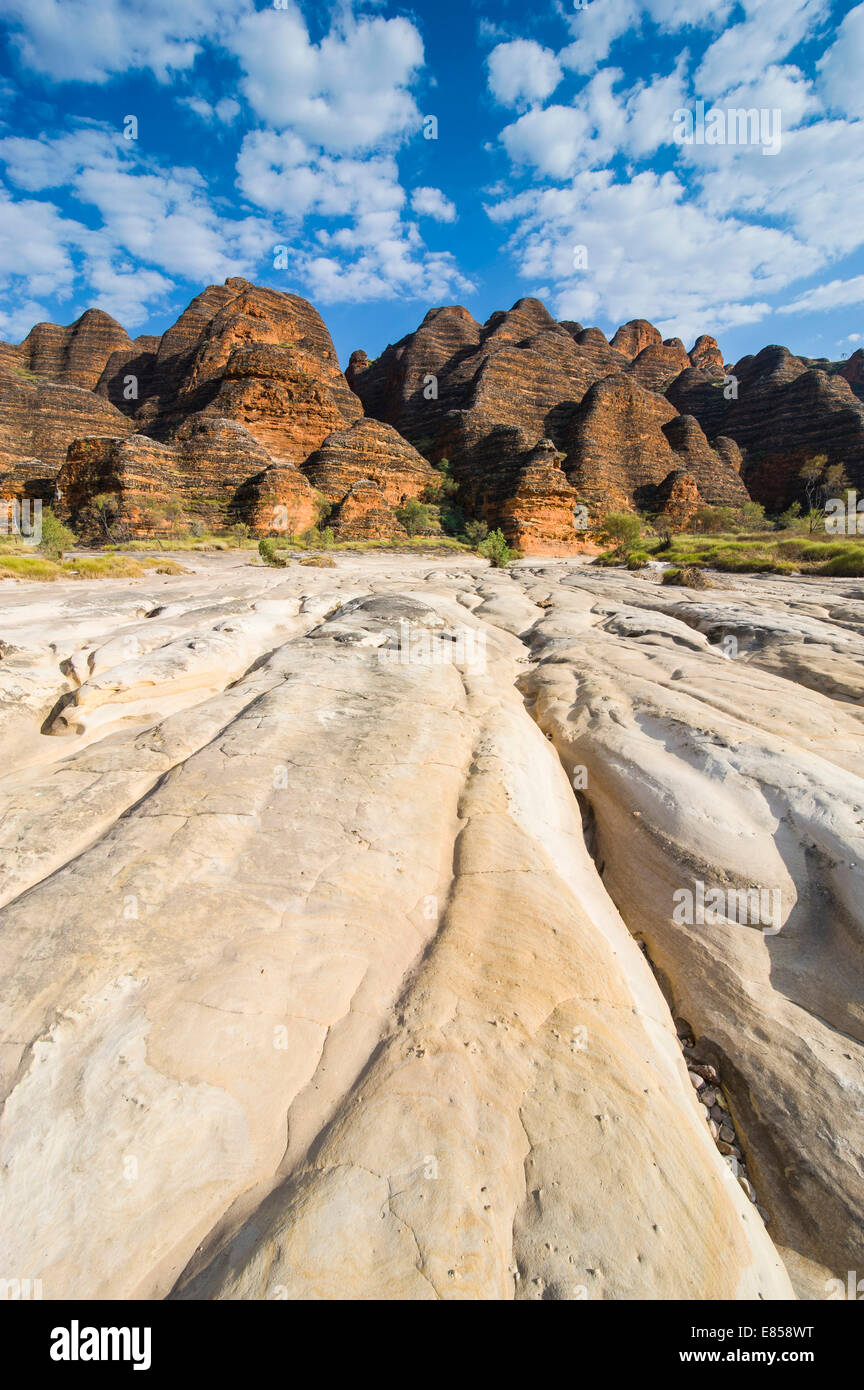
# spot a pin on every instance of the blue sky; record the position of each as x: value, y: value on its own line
x: 304, y: 126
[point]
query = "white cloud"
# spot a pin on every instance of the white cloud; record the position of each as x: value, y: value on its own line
x: 282, y: 174
x: 650, y: 254
x: 151, y: 222
x: 837, y: 294
x: 522, y: 72
x: 600, y: 24
x: 815, y: 184
x: 840, y: 69
x: 349, y: 93
x: 744, y: 51
x: 225, y: 111
x: 377, y: 254
x: 431, y: 202
x: 382, y: 271
x: 783, y: 88
x: 92, y: 40
x: 555, y: 141
x: 558, y: 141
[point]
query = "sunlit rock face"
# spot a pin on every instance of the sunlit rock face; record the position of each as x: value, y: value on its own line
x: 361, y: 925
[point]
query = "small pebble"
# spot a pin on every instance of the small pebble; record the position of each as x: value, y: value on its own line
x: 717, y: 1114
x: 708, y: 1096
x: 698, y: 1082
x: 727, y: 1133
x: 721, y: 1101
x: 725, y: 1148
x: 714, y: 1130
x: 746, y: 1187
x: 709, y: 1072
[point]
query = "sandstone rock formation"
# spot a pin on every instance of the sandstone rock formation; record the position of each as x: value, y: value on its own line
x: 369, y: 451
x: 38, y: 421
x: 279, y: 1025
x: 706, y: 353
x: 484, y: 395
x: 247, y: 381
x: 73, y: 356
x: 853, y: 372
x: 632, y: 337
x: 782, y: 413
x: 659, y: 364
x: 624, y: 440
x: 196, y: 478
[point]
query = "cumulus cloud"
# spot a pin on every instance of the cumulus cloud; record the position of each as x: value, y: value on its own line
x: 598, y: 26
x: 92, y: 40
x: 431, y: 202
x: 680, y: 265
x: 376, y: 253
x: 225, y: 111
x: 744, y: 51
x: 348, y: 93
x: 152, y: 221
x: 841, y: 67
x: 522, y: 71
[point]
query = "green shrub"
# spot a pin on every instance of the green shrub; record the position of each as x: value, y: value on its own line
x: 453, y: 520
x: 414, y: 516
x: 267, y: 551
x: 55, y: 536
x: 496, y: 550
x: 475, y: 532
x: 621, y: 530
x: 849, y: 566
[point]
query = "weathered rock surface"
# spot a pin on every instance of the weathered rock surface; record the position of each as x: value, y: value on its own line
x: 317, y: 976
x: 38, y: 421
x: 73, y: 356
x: 782, y: 414
x: 197, y: 478
x: 624, y: 440
x: 369, y: 451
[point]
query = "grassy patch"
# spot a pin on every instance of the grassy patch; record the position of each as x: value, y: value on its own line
x: 764, y: 552
x: 38, y: 567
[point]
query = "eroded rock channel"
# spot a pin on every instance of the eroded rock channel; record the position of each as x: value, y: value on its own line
x: 313, y: 988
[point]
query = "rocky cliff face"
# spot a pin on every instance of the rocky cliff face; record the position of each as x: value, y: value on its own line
x: 73, y: 356
x: 781, y: 412
x: 373, y: 452
x: 485, y: 396
x: 39, y: 419
x: 194, y: 479
x: 245, y: 395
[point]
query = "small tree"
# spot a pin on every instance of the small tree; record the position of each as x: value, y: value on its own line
x: 55, y: 538
x: 269, y: 554
x: 496, y: 550
x: 414, y: 516
x: 790, y: 519
x: 621, y: 530
x: 812, y: 476
x: 752, y: 516
x: 444, y: 486
x: 475, y: 532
